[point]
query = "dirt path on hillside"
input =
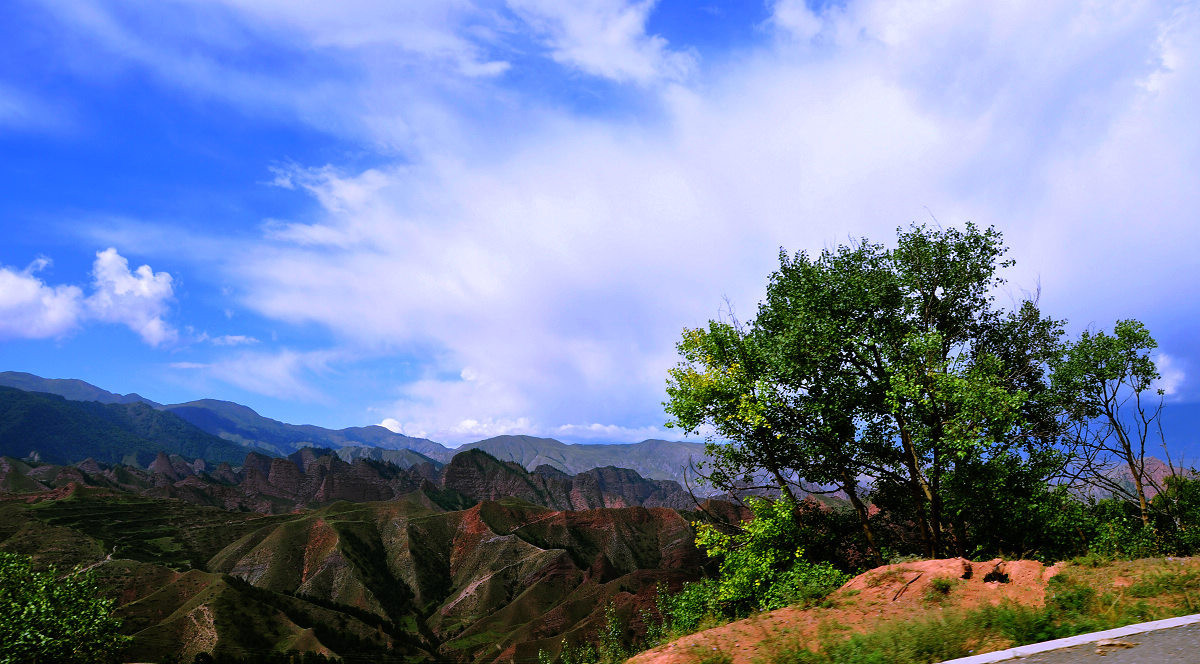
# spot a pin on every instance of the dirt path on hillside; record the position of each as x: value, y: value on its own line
x: 884, y: 594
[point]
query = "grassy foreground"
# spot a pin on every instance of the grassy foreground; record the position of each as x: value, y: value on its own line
x: 1083, y: 598
x: 942, y: 621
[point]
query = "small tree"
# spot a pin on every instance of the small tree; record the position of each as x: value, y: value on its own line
x: 45, y: 618
x: 1109, y: 381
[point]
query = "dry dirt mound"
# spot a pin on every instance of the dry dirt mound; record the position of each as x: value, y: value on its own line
x: 885, y: 594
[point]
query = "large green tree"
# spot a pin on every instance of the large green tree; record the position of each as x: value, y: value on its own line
x: 893, y: 366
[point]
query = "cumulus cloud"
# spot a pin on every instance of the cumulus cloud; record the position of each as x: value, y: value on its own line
x: 137, y: 299
x: 30, y: 309
x: 392, y: 424
x: 1171, y: 376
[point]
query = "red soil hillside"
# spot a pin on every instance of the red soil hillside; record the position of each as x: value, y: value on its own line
x: 885, y: 594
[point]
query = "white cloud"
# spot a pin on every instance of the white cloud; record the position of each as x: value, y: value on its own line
x: 796, y: 19
x: 233, y: 340
x: 30, y: 309
x: 610, y: 432
x: 554, y: 278
x: 605, y: 38
x: 137, y: 299
x: 1172, y: 376
x: 283, y: 374
x: 392, y: 424
x: 550, y: 258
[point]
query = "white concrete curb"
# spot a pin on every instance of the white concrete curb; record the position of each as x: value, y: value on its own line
x: 1035, y: 648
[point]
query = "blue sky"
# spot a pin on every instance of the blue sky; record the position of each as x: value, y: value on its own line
x: 470, y: 218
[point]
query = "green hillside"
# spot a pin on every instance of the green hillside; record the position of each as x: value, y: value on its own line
x: 62, y: 431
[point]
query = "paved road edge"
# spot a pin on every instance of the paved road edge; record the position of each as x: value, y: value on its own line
x: 1044, y: 646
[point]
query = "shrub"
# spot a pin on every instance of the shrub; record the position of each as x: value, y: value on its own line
x: 689, y: 609
x: 44, y: 618
x: 764, y: 566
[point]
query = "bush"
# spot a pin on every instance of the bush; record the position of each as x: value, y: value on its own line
x: 764, y: 566
x: 44, y: 618
x: 1129, y: 538
x: 690, y: 609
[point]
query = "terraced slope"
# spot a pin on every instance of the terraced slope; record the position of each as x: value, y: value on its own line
x: 401, y: 580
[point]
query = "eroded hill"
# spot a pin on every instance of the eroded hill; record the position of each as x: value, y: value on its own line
x: 430, y: 573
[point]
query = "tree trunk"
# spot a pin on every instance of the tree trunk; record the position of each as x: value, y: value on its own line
x: 851, y: 489
x: 922, y: 494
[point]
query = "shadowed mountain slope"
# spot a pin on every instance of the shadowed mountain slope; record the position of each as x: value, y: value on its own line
x: 61, y: 431
x: 241, y: 424
x: 653, y: 459
x: 235, y: 422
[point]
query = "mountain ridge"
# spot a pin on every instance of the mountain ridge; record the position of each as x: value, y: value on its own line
x: 240, y: 424
x: 56, y: 429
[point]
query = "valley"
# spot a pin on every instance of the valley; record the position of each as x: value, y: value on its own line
x: 219, y: 531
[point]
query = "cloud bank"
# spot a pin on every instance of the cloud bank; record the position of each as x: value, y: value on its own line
x: 536, y: 256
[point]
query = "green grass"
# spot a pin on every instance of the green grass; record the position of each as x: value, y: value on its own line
x: 1073, y: 605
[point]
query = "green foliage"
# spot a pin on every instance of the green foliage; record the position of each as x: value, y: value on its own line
x: 939, y: 589
x: 584, y: 653
x: 613, y: 640
x: 693, y: 608
x: 1118, y: 533
x: 1105, y: 382
x: 893, y: 364
x: 764, y: 566
x: 1177, y: 514
x: 44, y: 618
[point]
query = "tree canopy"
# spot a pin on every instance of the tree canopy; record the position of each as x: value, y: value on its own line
x: 888, y: 365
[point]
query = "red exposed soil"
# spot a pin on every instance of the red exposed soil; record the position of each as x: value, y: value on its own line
x: 884, y: 594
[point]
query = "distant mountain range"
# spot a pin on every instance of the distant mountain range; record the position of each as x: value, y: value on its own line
x: 54, y: 429
x: 655, y: 459
x: 232, y: 422
x: 313, y: 478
